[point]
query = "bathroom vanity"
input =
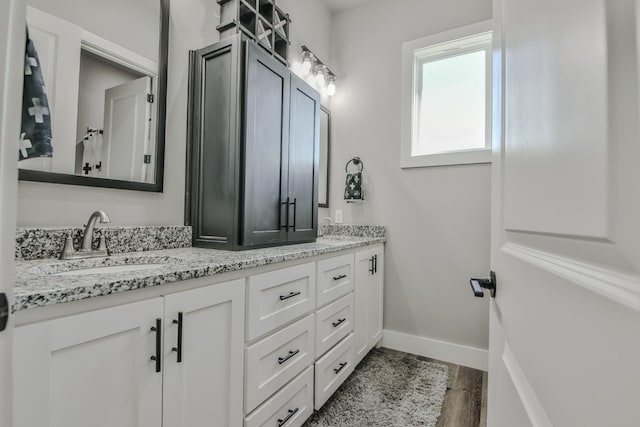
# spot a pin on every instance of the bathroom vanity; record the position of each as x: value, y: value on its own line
x: 172, y: 337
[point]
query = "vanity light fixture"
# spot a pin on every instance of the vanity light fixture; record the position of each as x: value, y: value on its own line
x: 319, y: 72
x: 307, y: 62
x: 323, y: 77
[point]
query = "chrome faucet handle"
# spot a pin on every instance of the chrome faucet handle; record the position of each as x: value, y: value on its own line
x: 103, y: 245
x: 68, y: 251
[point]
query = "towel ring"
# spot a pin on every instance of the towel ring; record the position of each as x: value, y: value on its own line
x: 357, y: 162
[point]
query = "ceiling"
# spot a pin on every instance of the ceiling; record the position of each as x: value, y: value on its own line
x: 336, y: 5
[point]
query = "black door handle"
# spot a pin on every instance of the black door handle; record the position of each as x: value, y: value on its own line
x: 375, y: 264
x: 371, y: 269
x: 480, y: 283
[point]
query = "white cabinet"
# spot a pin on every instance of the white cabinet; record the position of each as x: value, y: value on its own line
x: 368, y: 303
x: 203, y: 356
x: 91, y: 369
x: 96, y: 368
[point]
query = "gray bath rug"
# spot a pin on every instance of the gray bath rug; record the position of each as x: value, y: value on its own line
x: 387, y: 389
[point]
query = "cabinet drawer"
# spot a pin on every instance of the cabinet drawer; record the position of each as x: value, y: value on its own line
x: 332, y: 370
x: 333, y: 323
x: 274, y: 361
x: 278, y: 297
x: 335, y: 278
x: 290, y: 407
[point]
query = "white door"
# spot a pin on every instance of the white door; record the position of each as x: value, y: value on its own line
x: 58, y: 44
x: 91, y: 369
x: 204, y: 356
x: 565, y: 323
x: 12, y: 15
x: 127, y: 115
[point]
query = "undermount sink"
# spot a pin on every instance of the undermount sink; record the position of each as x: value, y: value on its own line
x: 108, y: 269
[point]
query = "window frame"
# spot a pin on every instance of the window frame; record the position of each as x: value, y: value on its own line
x: 415, y: 53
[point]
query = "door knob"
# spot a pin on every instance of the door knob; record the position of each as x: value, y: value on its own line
x: 478, y: 284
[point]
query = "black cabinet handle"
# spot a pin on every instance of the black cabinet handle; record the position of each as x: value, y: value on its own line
x: 281, y: 360
x: 178, y: 348
x: 342, y: 276
x: 286, y: 214
x: 291, y: 295
x: 375, y: 264
x: 339, y: 322
x: 290, y: 414
x: 158, y: 356
x: 371, y: 269
x: 478, y: 284
x: 342, y: 365
x: 4, y: 311
x: 294, y: 204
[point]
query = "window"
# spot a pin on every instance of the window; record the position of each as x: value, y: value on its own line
x: 447, y: 98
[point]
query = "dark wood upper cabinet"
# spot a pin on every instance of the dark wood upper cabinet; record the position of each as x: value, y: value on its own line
x: 253, y: 152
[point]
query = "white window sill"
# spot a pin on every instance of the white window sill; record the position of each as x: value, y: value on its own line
x: 447, y: 159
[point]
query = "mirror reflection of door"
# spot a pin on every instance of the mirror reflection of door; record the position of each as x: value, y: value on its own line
x: 127, y: 114
x: 100, y: 89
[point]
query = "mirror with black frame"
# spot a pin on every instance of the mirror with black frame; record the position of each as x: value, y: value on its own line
x: 325, y: 154
x: 94, y: 102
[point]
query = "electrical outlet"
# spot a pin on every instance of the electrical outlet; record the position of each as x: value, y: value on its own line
x: 338, y: 216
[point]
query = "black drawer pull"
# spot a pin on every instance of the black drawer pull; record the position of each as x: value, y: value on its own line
x: 178, y: 348
x: 291, y: 295
x: 339, y: 322
x: 158, y: 356
x: 342, y: 365
x: 342, y: 276
x: 281, y: 360
x: 283, y: 421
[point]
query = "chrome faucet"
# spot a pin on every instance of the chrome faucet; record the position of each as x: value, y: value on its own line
x: 86, y: 250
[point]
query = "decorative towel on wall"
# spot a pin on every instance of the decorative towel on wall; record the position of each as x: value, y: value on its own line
x: 35, y: 137
x: 354, y: 191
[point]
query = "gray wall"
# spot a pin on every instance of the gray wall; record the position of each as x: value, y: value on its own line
x: 192, y: 26
x: 437, y: 218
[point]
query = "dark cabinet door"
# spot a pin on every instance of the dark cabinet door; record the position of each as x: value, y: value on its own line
x: 214, y: 159
x: 267, y: 90
x: 304, y: 158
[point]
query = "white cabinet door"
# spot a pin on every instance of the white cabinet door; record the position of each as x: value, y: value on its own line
x: 368, y: 300
x: 91, y: 369
x: 374, y: 298
x: 205, y: 385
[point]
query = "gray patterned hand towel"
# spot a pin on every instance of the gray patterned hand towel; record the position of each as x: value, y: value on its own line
x: 35, y: 137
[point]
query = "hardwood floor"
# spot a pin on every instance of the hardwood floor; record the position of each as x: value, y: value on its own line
x: 463, y: 403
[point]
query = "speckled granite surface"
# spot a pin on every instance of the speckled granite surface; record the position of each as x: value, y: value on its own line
x: 40, y: 243
x: 353, y: 230
x: 36, y: 286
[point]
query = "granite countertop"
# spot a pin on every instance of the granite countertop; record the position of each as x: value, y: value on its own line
x: 36, y: 286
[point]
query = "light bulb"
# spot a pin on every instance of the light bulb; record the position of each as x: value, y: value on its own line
x: 306, y: 63
x: 331, y: 86
x: 320, y: 78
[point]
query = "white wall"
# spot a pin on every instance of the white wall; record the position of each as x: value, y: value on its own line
x: 192, y: 26
x: 437, y: 218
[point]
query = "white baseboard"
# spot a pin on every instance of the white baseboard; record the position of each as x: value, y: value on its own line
x: 472, y: 357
